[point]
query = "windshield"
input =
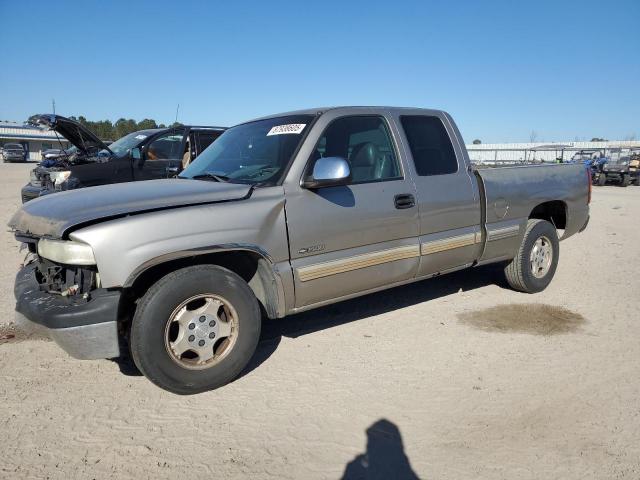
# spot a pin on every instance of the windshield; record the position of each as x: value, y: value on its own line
x: 121, y: 146
x: 585, y: 156
x: 618, y: 156
x: 253, y: 152
x: 13, y: 146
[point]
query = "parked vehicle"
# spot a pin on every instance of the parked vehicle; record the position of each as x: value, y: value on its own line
x: 634, y: 166
x: 620, y: 168
x: 280, y: 215
x: 594, y: 160
x: 143, y: 155
x: 13, y: 152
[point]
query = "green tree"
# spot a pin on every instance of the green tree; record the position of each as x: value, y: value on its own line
x: 146, y: 124
x: 106, y: 130
x: 477, y: 142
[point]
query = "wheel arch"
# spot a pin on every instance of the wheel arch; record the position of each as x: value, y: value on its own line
x: 554, y: 211
x: 251, y: 263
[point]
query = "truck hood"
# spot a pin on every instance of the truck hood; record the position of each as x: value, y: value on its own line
x: 78, y: 135
x: 54, y: 215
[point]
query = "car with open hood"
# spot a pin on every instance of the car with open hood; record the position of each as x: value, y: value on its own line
x: 142, y: 155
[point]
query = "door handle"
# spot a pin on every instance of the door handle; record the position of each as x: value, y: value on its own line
x: 404, y: 200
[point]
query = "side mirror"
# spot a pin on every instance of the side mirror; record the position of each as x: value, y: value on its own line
x: 328, y: 172
x: 135, y: 154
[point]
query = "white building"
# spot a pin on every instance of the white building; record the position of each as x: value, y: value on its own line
x: 34, y: 140
x: 540, y: 151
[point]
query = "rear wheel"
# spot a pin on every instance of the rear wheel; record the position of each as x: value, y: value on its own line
x: 535, y: 264
x: 195, y: 329
x: 637, y: 181
x: 626, y: 180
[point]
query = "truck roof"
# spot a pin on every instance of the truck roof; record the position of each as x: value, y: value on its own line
x: 348, y: 109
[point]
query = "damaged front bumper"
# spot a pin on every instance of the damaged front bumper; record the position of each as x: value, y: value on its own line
x: 86, y: 328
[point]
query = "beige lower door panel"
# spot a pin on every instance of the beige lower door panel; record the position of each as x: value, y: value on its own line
x: 449, y: 249
x: 335, y: 274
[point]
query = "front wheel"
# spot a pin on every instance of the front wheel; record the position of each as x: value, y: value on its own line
x: 535, y: 264
x: 195, y: 329
x: 626, y: 180
x: 637, y: 181
x: 602, y: 180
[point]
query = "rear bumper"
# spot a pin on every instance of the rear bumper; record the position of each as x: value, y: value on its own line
x: 85, y: 329
x: 585, y: 224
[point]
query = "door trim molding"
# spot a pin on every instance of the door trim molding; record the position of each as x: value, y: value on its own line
x: 356, y: 262
x: 449, y: 243
x: 333, y: 267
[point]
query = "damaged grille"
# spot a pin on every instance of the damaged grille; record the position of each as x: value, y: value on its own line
x: 64, y: 279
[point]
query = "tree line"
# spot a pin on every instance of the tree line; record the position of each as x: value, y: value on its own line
x: 107, y: 130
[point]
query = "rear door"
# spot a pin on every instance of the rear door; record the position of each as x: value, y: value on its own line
x: 161, y: 154
x: 204, y: 138
x: 349, y: 239
x: 448, y: 196
x: 198, y: 141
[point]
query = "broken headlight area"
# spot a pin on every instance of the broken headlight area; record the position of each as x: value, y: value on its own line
x: 66, y: 280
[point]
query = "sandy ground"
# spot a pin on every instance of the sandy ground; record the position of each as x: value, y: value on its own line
x: 451, y: 378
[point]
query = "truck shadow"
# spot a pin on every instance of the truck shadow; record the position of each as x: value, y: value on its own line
x: 356, y: 309
x: 371, y: 305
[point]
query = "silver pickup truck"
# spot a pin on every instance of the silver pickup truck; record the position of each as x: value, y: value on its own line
x: 279, y: 215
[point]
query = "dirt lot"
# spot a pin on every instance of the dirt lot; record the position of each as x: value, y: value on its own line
x: 451, y: 378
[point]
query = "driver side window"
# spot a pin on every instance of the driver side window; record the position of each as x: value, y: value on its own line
x: 363, y: 141
x: 167, y: 146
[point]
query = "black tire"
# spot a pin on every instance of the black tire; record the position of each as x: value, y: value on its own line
x: 637, y: 181
x: 149, y: 328
x: 519, y: 272
x: 602, y: 180
x: 626, y: 180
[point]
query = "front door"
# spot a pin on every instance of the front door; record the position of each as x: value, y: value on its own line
x: 349, y: 239
x: 161, y: 156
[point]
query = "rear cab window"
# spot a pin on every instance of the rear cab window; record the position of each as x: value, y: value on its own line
x: 430, y: 145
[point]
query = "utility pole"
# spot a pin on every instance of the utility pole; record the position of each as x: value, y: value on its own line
x: 177, y: 109
x: 53, y: 103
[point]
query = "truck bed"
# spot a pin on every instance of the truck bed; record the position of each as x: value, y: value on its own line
x: 556, y: 188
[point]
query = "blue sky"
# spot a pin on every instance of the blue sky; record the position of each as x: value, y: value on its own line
x: 564, y: 69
